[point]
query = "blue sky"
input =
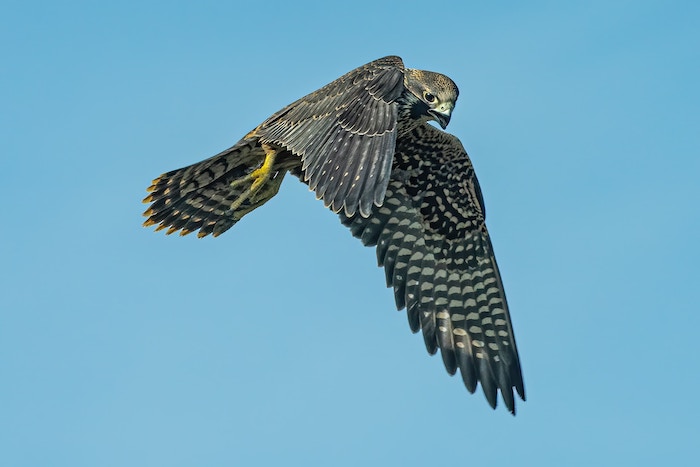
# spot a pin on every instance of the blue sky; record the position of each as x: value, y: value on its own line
x: 277, y: 343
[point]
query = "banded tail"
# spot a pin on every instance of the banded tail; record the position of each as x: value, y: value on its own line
x: 212, y: 195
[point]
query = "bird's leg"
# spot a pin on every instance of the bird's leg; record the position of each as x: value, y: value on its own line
x: 259, y: 177
x: 262, y: 173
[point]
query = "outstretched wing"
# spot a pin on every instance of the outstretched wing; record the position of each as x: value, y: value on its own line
x: 436, y: 251
x: 345, y: 134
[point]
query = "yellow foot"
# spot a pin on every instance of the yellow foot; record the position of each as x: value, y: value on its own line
x: 259, y: 177
x: 262, y: 174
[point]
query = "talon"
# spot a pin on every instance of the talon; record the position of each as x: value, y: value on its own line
x: 262, y: 174
x: 259, y: 177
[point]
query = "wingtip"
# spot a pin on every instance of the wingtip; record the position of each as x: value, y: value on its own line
x: 493, y: 401
x: 520, y: 389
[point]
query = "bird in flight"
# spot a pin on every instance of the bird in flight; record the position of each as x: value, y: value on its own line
x: 363, y: 144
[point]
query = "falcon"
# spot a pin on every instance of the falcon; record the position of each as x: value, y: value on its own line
x: 364, y: 145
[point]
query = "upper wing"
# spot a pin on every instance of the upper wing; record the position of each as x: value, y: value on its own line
x: 345, y: 134
x: 432, y: 241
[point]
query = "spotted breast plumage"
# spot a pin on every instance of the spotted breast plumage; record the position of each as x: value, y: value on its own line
x: 363, y: 144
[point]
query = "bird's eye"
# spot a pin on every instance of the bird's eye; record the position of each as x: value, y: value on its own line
x: 428, y: 97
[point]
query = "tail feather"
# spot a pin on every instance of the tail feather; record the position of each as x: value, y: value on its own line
x: 200, y: 196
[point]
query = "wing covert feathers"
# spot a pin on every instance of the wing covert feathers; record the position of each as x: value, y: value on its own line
x: 345, y: 135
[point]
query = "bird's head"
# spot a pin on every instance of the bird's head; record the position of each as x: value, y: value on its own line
x: 436, y: 95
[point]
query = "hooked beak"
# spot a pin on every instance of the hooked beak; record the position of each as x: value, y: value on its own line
x: 443, y: 118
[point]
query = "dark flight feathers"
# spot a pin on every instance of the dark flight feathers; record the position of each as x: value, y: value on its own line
x: 437, y: 255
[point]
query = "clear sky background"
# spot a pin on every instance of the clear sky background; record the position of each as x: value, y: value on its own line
x: 277, y: 343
